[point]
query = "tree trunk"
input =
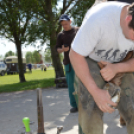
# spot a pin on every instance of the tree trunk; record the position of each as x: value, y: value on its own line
x: 20, y: 63
x: 55, y: 57
x: 52, y: 29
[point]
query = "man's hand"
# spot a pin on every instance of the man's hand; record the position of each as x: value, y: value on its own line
x: 109, y: 71
x: 103, y: 100
x: 65, y: 49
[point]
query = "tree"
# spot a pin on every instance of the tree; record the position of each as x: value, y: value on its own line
x: 48, y: 14
x: 16, y: 25
x: 61, y: 57
x: 36, y: 57
x: 29, y: 57
x: 9, y: 53
x: 79, y: 11
x: 48, y: 55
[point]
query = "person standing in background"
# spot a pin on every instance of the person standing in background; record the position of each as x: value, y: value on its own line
x: 64, y: 40
x: 30, y: 67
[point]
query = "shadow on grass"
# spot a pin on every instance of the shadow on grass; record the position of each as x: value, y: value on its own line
x: 44, y: 83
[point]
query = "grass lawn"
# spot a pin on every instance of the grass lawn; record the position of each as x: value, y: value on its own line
x: 37, y: 78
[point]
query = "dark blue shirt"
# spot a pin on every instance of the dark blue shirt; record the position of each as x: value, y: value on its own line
x: 29, y: 66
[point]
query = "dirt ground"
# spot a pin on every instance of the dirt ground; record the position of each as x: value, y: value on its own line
x: 14, y: 106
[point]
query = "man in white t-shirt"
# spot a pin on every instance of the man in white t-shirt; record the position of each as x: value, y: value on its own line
x: 106, y: 35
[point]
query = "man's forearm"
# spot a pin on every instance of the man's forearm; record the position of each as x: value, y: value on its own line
x: 127, y: 66
x: 60, y: 50
x: 79, y: 64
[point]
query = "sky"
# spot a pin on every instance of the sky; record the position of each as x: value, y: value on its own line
x: 6, y: 46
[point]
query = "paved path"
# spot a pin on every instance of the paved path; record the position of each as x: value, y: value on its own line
x: 14, y: 106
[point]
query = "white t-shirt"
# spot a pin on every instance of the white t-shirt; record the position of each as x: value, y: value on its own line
x: 100, y: 36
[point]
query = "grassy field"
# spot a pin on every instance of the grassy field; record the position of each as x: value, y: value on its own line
x: 38, y: 78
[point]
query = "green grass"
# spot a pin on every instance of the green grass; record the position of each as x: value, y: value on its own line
x: 36, y: 79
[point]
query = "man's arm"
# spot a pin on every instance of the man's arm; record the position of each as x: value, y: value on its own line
x: 60, y: 50
x: 59, y: 44
x: 63, y: 49
x: 127, y: 66
x: 110, y: 70
x: 101, y: 97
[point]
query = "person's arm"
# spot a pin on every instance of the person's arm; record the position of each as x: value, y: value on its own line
x: 63, y: 49
x: 60, y: 50
x: 59, y: 43
x: 110, y: 70
x: 101, y: 97
x: 127, y: 66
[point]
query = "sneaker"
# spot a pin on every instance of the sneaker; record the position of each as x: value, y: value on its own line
x: 74, y: 110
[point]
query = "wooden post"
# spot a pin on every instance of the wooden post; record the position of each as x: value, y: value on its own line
x: 40, y: 112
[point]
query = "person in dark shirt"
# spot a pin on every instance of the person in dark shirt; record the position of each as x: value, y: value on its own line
x: 64, y: 40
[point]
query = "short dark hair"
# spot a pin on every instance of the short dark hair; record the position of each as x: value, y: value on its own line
x: 131, y: 12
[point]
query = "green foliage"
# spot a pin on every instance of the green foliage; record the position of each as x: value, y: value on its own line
x: 47, y: 13
x: 48, y: 55
x: 36, y: 57
x: 33, y: 57
x: 61, y: 57
x: 9, y: 53
x: 29, y: 57
x: 18, y: 22
x: 79, y: 11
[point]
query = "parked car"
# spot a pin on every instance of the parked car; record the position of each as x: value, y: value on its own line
x: 3, y: 68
